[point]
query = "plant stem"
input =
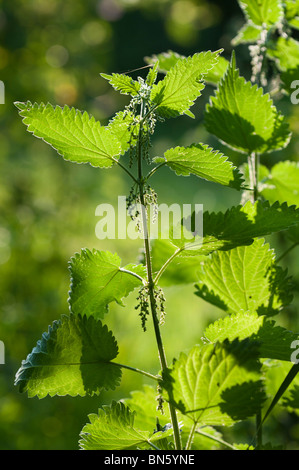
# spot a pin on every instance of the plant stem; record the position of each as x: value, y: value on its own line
x: 253, y: 167
x: 259, y: 429
x: 216, y: 439
x: 134, y: 369
x: 123, y: 270
x: 190, y: 437
x: 125, y: 169
x: 150, y: 282
x: 159, y: 274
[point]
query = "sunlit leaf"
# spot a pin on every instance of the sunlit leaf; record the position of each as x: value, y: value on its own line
x: 216, y: 384
x: 243, y: 117
x: 176, y: 93
x: 98, y: 279
x: 74, y: 134
x: 72, y: 358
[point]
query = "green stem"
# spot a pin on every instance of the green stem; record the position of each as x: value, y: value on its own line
x: 154, y: 170
x: 159, y: 274
x: 125, y: 169
x: 259, y: 429
x: 151, y: 284
x: 132, y: 274
x: 216, y: 439
x: 253, y: 167
x: 190, y: 437
x: 134, y: 369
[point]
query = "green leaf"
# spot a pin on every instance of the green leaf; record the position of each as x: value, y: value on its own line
x: 76, y: 136
x: 216, y: 384
x: 121, y: 126
x: 249, y: 33
x: 176, y: 93
x: 292, y: 13
x: 244, y: 278
x: 282, y: 389
x: 285, y: 52
x: 275, y: 373
x: 152, y: 74
x: 281, y: 183
x: 97, y: 279
x: 273, y: 342
x: 72, y: 358
x: 262, y: 12
x: 167, y: 60
x: 143, y: 403
x: 123, y: 83
x: 113, y: 429
x: 289, y: 81
x: 202, y: 161
x: 238, y: 226
x: 243, y: 117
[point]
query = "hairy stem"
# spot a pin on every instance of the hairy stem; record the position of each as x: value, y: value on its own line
x: 151, y: 284
x: 253, y: 167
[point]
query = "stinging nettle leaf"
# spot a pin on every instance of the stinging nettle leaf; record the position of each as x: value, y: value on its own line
x: 273, y: 342
x: 244, y: 278
x: 249, y: 33
x: 167, y: 60
x: 113, y: 428
x: 244, y: 118
x: 202, y: 161
x: 75, y: 135
x: 216, y: 384
x: 121, y: 126
x: 72, y: 358
x: 123, y: 83
x: 262, y: 12
x: 281, y: 183
x: 176, y: 93
x: 97, y: 280
x: 285, y: 53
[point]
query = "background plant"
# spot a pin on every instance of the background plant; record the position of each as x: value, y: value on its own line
x: 260, y: 233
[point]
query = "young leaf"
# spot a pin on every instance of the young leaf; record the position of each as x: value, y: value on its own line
x: 202, y: 161
x: 249, y: 33
x: 243, y: 117
x: 281, y: 183
x: 292, y: 13
x: 285, y: 53
x: 113, y: 429
x: 262, y: 12
x: 273, y: 342
x: 167, y: 60
x: 72, y: 358
x: 176, y: 93
x: 123, y: 83
x: 97, y: 279
x: 76, y: 136
x: 216, y: 384
x: 244, y: 278
x: 121, y: 126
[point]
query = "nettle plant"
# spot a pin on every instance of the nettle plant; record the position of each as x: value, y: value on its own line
x: 246, y: 363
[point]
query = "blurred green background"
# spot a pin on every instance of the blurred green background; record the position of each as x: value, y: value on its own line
x: 54, y: 50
